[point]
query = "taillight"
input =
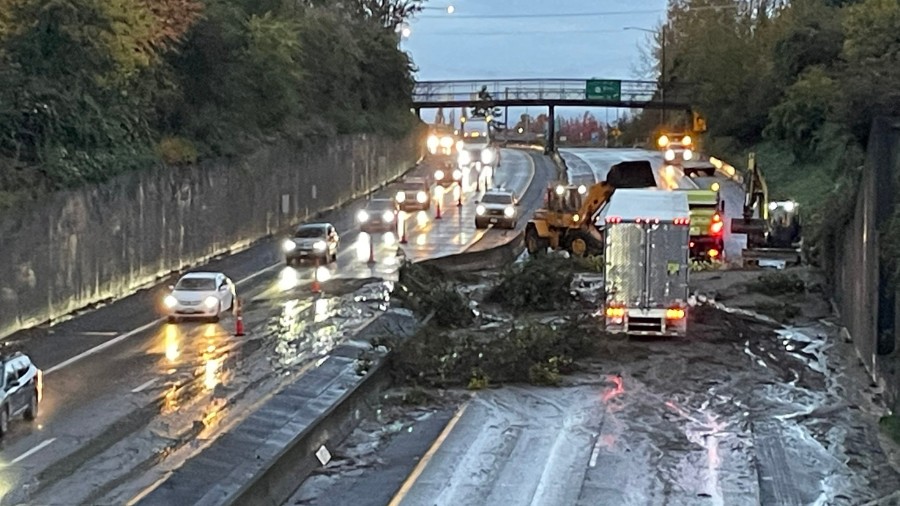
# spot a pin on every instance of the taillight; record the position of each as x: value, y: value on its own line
x: 674, y: 313
x: 682, y: 221
x: 613, y: 219
x: 615, y: 312
x: 717, y: 225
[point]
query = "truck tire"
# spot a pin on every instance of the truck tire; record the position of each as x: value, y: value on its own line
x: 583, y: 244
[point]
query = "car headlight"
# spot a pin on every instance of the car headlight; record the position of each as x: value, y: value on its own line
x: 388, y: 216
x: 457, y: 175
x: 439, y: 174
x: 460, y: 145
x: 487, y: 156
x: 446, y: 142
x: 670, y: 155
x: 688, y: 154
x: 422, y: 197
x: 319, y: 245
x: 362, y: 216
x: 479, y: 209
x: 210, y: 302
x: 170, y: 301
x: 509, y: 212
x: 464, y: 157
x: 288, y: 245
x: 433, y: 142
x: 401, y: 197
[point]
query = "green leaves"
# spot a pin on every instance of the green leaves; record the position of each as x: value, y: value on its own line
x: 90, y: 88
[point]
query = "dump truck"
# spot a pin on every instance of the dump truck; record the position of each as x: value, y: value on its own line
x: 647, y: 263
x: 773, y: 229
x: 565, y: 222
x: 707, y: 229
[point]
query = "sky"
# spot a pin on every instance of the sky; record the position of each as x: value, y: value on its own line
x: 508, y: 39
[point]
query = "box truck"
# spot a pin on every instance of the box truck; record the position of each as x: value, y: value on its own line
x: 647, y: 265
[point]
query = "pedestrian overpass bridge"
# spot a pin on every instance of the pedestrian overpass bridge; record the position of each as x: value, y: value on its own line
x: 551, y: 93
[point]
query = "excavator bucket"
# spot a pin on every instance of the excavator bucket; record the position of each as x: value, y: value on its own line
x: 753, y: 226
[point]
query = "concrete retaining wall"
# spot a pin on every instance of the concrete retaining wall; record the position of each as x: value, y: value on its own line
x: 864, y: 295
x: 80, y: 247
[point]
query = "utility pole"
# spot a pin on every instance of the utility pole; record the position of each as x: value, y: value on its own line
x: 663, y: 72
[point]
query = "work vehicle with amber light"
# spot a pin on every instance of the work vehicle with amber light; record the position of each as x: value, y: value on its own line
x: 676, y: 148
x: 707, y: 224
x: 646, y: 253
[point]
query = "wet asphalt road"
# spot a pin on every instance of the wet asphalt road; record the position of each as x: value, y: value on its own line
x: 110, y: 371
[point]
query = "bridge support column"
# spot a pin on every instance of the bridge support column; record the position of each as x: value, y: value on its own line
x: 418, y: 112
x: 551, y: 131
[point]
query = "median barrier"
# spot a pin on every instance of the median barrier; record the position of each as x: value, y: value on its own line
x: 249, y: 468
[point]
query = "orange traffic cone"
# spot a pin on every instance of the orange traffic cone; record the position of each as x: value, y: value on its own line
x: 315, y: 284
x: 239, y: 319
x: 371, y: 249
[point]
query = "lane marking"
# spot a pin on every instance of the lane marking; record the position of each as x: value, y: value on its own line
x: 101, y: 347
x: 144, y: 386
x: 420, y: 467
x: 98, y: 334
x: 595, y: 453
x: 32, y: 451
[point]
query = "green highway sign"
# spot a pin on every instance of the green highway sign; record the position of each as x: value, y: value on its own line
x: 603, y: 89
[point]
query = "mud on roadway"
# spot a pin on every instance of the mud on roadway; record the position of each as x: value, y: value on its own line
x: 763, y: 403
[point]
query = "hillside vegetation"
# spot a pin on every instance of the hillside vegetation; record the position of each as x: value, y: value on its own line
x: 92, y: 88
x: 798, y: 82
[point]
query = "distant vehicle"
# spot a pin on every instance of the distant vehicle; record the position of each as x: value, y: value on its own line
x: 414, y: 194
x: 200, y: 295
x: 707, y: 224
x: 380, y: 215
x: 442, y: 141
x: 677, y: 148
x: 478, y: 149
x: 312, y: 241
x: 497, y: 207
x: 22, y: 389
x: 647, y: 264
x: 447, y: 174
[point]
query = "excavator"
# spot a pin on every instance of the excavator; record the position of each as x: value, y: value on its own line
x: 566, y: 222
x: 773, y: 229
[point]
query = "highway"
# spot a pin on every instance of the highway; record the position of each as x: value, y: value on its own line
x: 123, y: 388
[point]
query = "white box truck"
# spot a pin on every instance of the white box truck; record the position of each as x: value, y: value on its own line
x: 646, y: 244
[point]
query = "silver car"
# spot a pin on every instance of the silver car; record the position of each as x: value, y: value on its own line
x: 312, y: 241
x: 497, y: 207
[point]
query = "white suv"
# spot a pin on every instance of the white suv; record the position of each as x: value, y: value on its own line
x: 21, y: 388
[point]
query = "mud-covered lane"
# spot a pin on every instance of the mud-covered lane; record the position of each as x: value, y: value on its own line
x: 748, y: 409
x: 122, y: 390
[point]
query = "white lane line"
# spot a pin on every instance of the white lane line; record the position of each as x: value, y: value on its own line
x: 144, y: 386
x: 112, y: 342
x: 32, y: 451
x: 596, y: 452
x: 98, y: 334
x: 101, y: 347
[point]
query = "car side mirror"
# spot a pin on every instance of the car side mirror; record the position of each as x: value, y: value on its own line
x: 223, y: 288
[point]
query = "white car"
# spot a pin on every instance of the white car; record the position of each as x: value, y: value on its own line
x: 200, y: 295
x: 316, y: 241
x: 497, y: 207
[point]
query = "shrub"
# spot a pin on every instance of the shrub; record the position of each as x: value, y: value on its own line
x: 538, y: 284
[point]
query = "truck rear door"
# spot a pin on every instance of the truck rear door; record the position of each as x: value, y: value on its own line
x: 667, y: 264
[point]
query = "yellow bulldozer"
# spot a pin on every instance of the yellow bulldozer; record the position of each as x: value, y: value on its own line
x: 567, y: 220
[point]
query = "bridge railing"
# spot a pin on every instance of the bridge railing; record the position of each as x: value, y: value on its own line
x: 536, y: 89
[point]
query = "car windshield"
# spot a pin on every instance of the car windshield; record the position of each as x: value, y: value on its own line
x: 309, y: 232
x: 411, y: 187
x: 497, y: 198
x: 195, y: 284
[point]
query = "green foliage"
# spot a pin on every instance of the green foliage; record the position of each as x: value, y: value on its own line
x: 93, y: 88
x: 891, y: 426
x: 778, y: 283
x: 529, y: 352
x: 807, y: 105
x: 541, y: 283
x: 429, y: 291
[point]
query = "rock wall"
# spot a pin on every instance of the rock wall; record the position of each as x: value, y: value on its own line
x: 79, y: 247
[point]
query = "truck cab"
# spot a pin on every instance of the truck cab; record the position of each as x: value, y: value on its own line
x: 707, y: 224
x: 478, y: 150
